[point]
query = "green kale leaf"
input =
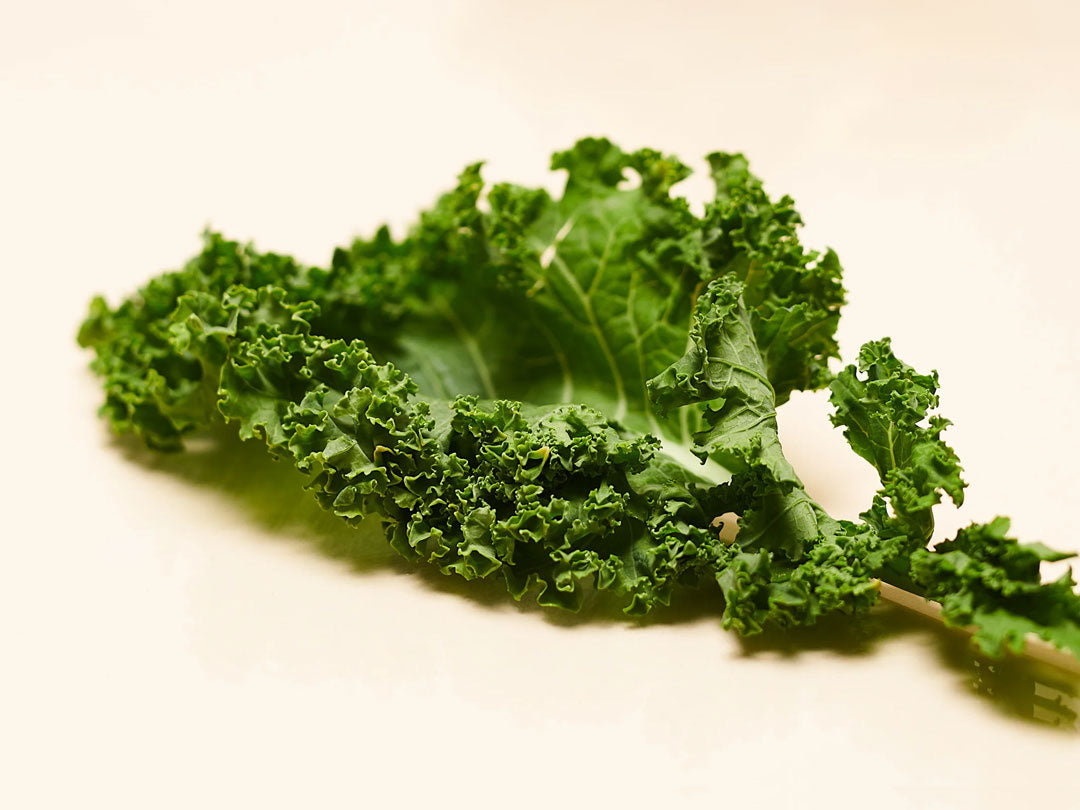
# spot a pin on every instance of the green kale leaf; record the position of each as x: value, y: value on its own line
x: 571, y: 393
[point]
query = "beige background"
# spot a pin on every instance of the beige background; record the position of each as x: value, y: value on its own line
x: 172, y: 634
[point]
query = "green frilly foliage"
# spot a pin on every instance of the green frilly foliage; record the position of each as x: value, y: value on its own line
x: 567, y: 393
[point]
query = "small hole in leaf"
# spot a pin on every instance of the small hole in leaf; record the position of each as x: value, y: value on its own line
x: 631, y: 180
x: 728, y: 526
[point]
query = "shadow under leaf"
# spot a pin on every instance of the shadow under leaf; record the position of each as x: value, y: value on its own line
x: 272, y: 496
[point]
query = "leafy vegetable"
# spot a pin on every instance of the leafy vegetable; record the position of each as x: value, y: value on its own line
x: 568, y: 392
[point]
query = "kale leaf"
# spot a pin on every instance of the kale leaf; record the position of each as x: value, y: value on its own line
x: 570, y: 392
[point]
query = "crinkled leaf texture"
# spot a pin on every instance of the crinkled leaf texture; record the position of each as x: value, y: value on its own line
x: 568, y: 392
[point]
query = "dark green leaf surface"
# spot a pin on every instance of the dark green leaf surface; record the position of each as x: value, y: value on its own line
x: 569, y: 392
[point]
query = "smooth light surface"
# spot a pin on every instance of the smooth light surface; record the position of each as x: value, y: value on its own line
x: 190, y: 631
